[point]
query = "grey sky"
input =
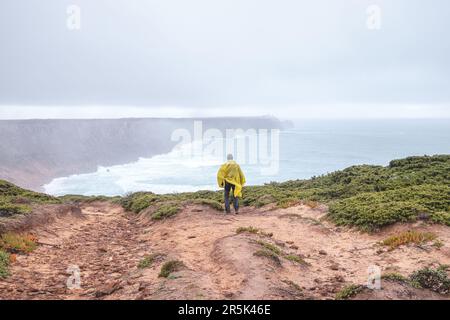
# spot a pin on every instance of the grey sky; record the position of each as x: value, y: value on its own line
x: 290, y: 58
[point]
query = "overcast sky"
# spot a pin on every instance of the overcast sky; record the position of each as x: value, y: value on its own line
x: 288, y: 58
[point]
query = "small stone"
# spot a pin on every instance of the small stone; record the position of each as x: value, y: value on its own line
x: 107, y: 289
x: 334, y: 266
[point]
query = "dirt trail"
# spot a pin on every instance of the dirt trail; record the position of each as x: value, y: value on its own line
x: 106, y: 244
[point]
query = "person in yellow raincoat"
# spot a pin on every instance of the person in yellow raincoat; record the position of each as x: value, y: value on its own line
x: 231, y: 178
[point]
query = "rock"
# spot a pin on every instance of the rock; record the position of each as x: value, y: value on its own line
x: 107, y: 289
x: 322, y: 252
x: 334, y: 266
x: 142, y: 286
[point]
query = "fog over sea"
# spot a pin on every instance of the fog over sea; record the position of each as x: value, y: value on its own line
x: 312, y: 148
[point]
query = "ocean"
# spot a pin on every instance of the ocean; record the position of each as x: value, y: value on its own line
x: 312, y: 148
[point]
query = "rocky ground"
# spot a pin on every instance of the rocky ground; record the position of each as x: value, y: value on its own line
x: 314, y: 259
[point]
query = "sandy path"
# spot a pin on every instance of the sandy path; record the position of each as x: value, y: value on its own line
x: 107, y: 244
x: 102, y: 245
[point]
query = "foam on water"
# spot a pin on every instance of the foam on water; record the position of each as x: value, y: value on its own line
x: 314, y: 149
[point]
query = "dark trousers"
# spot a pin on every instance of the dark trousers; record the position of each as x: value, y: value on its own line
x: 230, y: 187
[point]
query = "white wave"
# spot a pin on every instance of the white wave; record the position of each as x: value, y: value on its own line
x: 186, y: 168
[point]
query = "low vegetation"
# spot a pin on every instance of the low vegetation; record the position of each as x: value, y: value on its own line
x: 15, y: 200
x: 166, y: 210
x: 148, y: 260
x: 4, y: 264
x: 408, y: 237
x: 394, y: 276
x: 73, y: 198
x: 295, y: 258
x: 367, y: 197
x: 269, y: 246
x: 248, y: 230
x: 18, y: 243
x: 169, y: 267
x: 436, y: 280
x: 216, y: 205
x: 269, y: 255
x: 349, y: 291
x: 293, y: 285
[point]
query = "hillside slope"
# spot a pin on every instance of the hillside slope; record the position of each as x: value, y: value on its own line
x: 262, y: 253
x: 305, y: 239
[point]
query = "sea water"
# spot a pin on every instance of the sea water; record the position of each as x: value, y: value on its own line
x: 312, y: 148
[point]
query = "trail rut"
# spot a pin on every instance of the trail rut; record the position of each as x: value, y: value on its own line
x: 106, y: 245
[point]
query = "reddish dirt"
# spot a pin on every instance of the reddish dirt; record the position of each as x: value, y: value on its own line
x: 107, y: 244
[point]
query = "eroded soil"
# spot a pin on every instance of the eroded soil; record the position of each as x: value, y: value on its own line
x: 106, y: 244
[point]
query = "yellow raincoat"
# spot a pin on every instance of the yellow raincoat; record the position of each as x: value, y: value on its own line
x: 231, y: 172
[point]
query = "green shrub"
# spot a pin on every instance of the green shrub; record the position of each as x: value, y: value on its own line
x: 269, y: 255
x: 434, y: 279
x: 365, y: 196
x: 4, y: 264
x: 296, y: 258
x: 148, y: 260
x: 371, y: 211
x: 349, y: 291
x: 74, y: 198
x: 394, y: 276
x: 264, y: 200
x: 169, y: 267
x: 247, y: 229
x: 165, y: 211
x: 15, y: 200
x: 216, y: 205
x: 269, y: 246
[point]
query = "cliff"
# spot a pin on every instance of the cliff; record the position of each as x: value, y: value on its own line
x: 34, y: 152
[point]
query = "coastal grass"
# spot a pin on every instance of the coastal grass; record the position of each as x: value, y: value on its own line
x: 165, y: 211
x: 169, y: 267
x: 216, y: 205
x: 15, y: 200
x: 74, y: 198
x: 18, y: 242
x: 4, y: 264
x: 436, y: 280
x: 395, y: 276
x: 349, y: 291
x: 296, y: 258
x: 408, y: 237
x: 269, y: 246
x: 367, y: 197
x: 148, y: 260
x: 269, y: 254
x: 249, y: 229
